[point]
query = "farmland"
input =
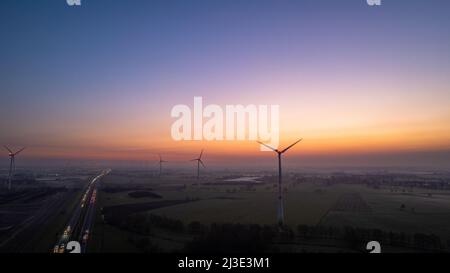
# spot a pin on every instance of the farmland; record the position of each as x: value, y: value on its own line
x: 311, y: 202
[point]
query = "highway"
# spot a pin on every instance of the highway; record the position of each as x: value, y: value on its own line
x: 20, y: 240
x: 79, y: 226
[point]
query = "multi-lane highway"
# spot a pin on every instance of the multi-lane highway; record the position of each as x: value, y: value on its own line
x: 79, y: 226
x: 20, y: 237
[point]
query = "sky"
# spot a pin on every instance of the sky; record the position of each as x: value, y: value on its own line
x: 360, y: 84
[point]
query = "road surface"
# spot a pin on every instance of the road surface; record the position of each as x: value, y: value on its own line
x: 79, y: 226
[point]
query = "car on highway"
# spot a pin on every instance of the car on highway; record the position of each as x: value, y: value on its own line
x: 62, y: 248
x: 85, y: 236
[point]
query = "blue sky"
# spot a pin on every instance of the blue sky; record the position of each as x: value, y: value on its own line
x: 113, y: 68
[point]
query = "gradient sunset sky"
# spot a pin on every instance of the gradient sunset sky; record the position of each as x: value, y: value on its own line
x: 99, y: 81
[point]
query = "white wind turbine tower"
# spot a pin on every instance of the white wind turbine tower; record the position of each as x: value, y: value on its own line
x: 12, y: 164
x: 280, y: 193
x: 199, y: 161
x: 161, y: 161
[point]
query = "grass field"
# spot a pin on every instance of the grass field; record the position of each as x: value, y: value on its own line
x: 399, y: 210
x: 421, y: 213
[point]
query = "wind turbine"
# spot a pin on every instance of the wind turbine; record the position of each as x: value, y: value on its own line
x: 161, y: 161
x: 280, y: 194
x: 199, y: 161
x: 12, y: 164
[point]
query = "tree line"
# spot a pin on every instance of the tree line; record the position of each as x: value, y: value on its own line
x: 254, y: 238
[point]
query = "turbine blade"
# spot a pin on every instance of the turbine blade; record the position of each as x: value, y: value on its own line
x: 267, y: 146
x: 19, y: 151
x: 200, y: 155
x: 291, y: 145
x: 201, y: 162
x: 8, y: 149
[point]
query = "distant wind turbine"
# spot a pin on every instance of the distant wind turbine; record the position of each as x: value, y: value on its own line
x: 280, y: 194
x: 12, y: 164
x: 161, y: 161
x: 199, y: 161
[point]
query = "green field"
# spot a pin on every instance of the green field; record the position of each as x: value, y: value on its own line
x: 307, y: 203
